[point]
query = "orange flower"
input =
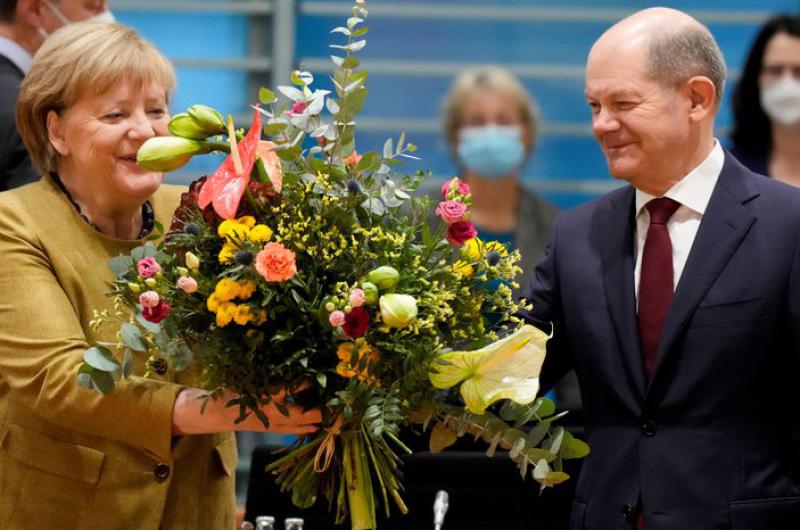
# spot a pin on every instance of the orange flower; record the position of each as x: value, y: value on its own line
x: 276, y: 263
x: 353, y: 159
x: 349, y: 367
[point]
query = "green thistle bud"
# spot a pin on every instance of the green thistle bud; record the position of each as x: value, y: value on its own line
x: 398, y: 310
x: 384, y: 277
x: 370, y: 292
x: 208, y: 119
x: 151, y: 282
x: 135, y: 287
x: 185, y: 126
x: 167, y: 153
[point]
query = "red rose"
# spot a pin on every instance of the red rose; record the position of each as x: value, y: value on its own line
x: 158, y: 313
x: 461, y: 232
x: 356, y: 322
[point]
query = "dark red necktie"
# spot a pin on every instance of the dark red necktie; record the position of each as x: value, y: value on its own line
x: 656, y: 280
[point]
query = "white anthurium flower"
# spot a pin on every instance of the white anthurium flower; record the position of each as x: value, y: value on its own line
x: 506, y: 369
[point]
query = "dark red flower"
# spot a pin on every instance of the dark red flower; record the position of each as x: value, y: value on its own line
x: 356, y: 322
x: 461, y: 232
x: 158, y: 313
x: 189, y: 204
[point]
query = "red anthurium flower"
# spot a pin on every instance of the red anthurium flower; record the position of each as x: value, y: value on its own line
x: 224, y: 189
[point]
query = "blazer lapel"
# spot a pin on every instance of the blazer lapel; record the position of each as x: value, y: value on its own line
x: 724, y: 225
x: 616, y: 226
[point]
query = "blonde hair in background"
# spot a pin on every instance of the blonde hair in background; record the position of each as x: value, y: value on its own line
x: 79, y: 60
x: 493, y: 78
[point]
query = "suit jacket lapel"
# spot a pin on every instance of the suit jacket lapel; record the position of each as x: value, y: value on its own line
x: 724, y: 225
x: 616, y: 226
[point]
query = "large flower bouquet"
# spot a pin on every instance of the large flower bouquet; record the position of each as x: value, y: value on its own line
x: 301, y: 261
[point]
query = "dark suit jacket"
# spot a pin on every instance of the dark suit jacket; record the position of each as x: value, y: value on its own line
x: 710, y: 441
x: 15, y: 166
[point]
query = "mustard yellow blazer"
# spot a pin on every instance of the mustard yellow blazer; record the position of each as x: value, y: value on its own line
x: 70, y: 458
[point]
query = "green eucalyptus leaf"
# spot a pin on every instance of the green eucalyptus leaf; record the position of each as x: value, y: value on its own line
x: 544, y: 407
x: 100, y: 358
x: 574, y: 448
x: 103, y: 382
x: 369, y: 162
x: 151, y: 327
x: 360, y: 32
x: 266, y: 96
x: 120, y: 265
x: 271, y: 129
x: 322, y: 379
x: 537, y: 434
x: 127, y: 364
x: 351, y: 63
x: 132, y: 337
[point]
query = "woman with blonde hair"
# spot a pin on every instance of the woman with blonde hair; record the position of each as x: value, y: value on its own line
x: 143, y: 456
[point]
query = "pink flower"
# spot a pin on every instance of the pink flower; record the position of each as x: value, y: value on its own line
x: 158, y: 313
x: 460, y: 232
x: 276, y: 263
x: 462, y: 189
x: 148, y: 267
x: 452, y: 211
x: 299, y: 107
x: 337, y: 318
x: 149, y: 299
x: 357, y: 297
x: 187, y: 284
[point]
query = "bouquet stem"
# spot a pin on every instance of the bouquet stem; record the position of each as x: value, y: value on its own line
x: 360, y: 497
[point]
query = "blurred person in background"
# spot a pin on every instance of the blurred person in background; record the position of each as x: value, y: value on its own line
x: 491, y: 124
x: 766, y: 103
x: 142, y: 456
x: 24, y: 25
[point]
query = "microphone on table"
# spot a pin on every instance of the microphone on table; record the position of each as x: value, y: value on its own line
x: 440, y: 506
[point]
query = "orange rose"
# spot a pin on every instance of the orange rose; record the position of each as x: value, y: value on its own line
x: 276, y: 263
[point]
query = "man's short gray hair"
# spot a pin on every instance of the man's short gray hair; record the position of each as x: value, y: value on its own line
x: 678, y: 55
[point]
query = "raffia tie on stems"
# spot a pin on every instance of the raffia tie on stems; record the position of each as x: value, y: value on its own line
x: 327, y: 449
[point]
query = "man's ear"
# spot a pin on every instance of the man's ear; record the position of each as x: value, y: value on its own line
x: 29, y: 12
x: 702, y: 97
x: 55, y: 133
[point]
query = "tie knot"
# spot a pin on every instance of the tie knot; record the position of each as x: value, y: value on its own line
x: 661, y: 210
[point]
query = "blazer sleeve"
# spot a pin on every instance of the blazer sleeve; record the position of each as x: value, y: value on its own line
x: 42, y: 344
x: 543, y: 293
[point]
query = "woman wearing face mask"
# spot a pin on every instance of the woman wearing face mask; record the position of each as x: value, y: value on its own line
x: 56, y: 14
x: 490, y: 122
x: 766, y: 104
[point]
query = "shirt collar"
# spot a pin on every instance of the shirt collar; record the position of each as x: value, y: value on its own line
x: 694, y: 190
x: 16, y: 54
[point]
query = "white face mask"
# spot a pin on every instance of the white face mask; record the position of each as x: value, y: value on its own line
x: 781, y: 101
x: 104, y: 16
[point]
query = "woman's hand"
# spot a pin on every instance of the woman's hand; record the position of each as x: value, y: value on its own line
x: 187, y: 417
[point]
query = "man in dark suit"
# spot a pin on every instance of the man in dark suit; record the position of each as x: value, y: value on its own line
x: 24, y: 24
x: 677, y: 301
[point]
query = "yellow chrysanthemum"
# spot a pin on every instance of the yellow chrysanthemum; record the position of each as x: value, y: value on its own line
x: 260, y: 234
x: 463, y: 268
x: 242, y: 314
x: 473, y: 249
x: 226, y: 290
x: 227, y: 253
x: 497, y: 247
x: 213, y: 303
x: 246, y: 290
x: 232, y: 230
x: 225, y: 313
x: 247, y: 220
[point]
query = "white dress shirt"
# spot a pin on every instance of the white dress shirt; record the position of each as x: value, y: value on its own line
x: 16, y: 54
x: 693, y: 193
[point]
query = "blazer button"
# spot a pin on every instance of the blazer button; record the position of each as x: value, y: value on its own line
x: 627, y: 513
x: 649, y: 428
x: 161, y: 471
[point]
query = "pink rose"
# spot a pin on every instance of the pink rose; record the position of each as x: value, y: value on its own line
x: 462, y: 189
x: 148, y: 267
x: 357, y: 297
x: 149, y: 299
x: 187, y: 284
x: 158, y: 313
x: 460, y: 232
x: 452, y: 211
x: 337, y: 318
